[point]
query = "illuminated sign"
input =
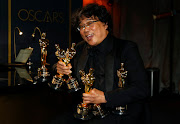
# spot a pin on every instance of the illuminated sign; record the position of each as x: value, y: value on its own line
x: 40, y: 16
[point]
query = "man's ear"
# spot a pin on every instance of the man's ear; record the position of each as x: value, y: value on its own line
x: 106, y: 26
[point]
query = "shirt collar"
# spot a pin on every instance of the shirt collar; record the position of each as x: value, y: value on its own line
x: 105, y: 46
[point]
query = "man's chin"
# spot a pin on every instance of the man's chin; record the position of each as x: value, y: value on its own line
x: 91, y: 43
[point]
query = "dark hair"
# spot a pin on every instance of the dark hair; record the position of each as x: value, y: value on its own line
x: 92, y: 10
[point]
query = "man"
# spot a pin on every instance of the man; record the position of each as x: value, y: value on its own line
x: 105, y: 53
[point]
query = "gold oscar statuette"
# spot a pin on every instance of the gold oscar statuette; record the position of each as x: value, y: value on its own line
x: 122, y: 74
x: 83, y: 109
x: 65, y: 56
x: 43, y: 71
x: 98, y: 111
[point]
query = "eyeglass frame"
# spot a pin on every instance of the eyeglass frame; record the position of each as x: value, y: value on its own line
x: 85, y: 25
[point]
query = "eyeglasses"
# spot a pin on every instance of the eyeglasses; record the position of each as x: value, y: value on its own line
x: 88, y: 24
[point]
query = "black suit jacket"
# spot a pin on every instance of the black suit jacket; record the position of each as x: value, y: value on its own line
x: 136, y: 89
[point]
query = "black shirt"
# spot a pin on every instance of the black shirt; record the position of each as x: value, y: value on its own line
x: 96, y: 60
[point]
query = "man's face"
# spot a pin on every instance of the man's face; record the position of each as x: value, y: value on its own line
x: 93, y: 31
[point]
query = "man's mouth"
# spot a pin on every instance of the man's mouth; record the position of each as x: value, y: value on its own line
x: 90, y: 36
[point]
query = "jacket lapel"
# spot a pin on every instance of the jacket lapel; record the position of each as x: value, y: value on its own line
x: 82, y: 61
x: 109, y: 69
x: 109, y: 72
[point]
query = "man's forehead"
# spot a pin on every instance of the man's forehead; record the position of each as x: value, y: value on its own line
x: 84, y: 18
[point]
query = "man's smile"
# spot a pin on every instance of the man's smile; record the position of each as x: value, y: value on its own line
x: 90, y: 36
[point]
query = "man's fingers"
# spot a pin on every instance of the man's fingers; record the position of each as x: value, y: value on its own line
x: 86, y: 101
x: 61, y: 63
x: 94, y: 96
x: 66, y: 72
x: 93, y: 91
x: 63, y: 69
x: 86, y: 94
x: 60, y: 71
x: 88, y: 98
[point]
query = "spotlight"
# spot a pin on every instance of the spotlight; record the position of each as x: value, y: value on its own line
x: 33, y: 35
x: 20, y: 33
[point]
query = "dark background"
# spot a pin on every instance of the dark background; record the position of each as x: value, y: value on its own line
x: 157, y: 39
x: 52, y: 17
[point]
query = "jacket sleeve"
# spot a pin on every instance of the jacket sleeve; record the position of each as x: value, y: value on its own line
x: 136, y: 87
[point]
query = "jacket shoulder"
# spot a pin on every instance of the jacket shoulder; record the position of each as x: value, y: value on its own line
x: 80, y: 45
x: 124, y: 43
x: 123, y: 47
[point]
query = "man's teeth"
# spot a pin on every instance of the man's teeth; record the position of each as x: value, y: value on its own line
x: 89, y: 35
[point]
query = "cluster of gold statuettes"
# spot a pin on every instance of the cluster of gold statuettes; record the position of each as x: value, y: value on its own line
x: 85, y: 111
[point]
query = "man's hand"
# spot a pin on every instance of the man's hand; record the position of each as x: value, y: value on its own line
x: 94, y: 96
x: 63, y: 69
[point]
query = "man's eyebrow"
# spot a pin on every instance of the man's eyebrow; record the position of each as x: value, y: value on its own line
x: 90, y: 19
x: 87, y: 20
